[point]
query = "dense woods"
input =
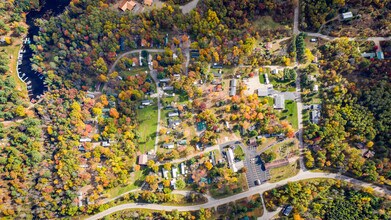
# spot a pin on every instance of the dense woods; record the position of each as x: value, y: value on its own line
x: 328, y: 199
x: 355, y: 114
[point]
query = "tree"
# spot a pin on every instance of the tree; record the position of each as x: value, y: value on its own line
x: 208, y: 165
x: 167, y: 166
x: 180, y: 184
x: 114, y: 113
x: 20, y: 111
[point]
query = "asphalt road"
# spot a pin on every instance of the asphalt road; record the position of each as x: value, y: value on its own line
x: 252, y: 191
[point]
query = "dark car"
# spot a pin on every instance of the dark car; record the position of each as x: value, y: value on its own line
x: 287, y: 210
x: 257, y: 182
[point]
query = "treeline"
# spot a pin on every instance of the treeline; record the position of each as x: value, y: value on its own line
x: 328, y: 199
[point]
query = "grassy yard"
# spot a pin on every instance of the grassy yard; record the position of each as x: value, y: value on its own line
x: 238, y: 152
x: 147, y: 119
x: 133, y: 71
x: 290, y: 113
x: 284, y: 172
x: 267, y: 23
x: 227, y: 191
x: 13, y: 50
x: 283, y: 149
x: 262, y: 78
x: 135, y: 179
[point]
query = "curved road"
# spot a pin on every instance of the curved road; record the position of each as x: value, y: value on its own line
x: 130, y: 52
x: 254, y: 190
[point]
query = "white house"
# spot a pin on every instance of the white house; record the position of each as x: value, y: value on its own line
x: 174, y: 172
x: 183, y: 170
x: 165, y: 173
x: 347, y: 15
x: 316, y: 88
x: 279, y: 102
x: 173, y: 114
x: 169, y: 145
x: 231, y: 160
x: 85, y: 139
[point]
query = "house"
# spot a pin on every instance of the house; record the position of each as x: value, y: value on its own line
x: 2, y: 40
x: 233, y: 84
x: 168, y: 88
x: 347, y: 15
x: 85, y: 139
x: 267, y: 79
x: 369, y: 154
x: 174, y: 172
x: 252, y: 141
x: 269, y: 46
x: 142, y: 159
x: 174, y: 123
x: 194, y: 54
x: 313, y: 40
x: 174, y: 56
x: 231, y: 160
x: 183, y: 168
x: 315, y: 116
x: 368, y: 55
x: 173, y: 114
x: 217, y: 66
x: 279, y: 102
x: 316, y: 88
x: 274, y: 71
x: 148, y: 2
x: 165, y: 80
x: 262, y: 92
x: 380, y: 55
x: 182, y: 142
x: 106, y: 144
x: 146, y: 102
x: 165, y: 173
x: 127, y: 5
x: 169, y: 145
x: 90, y: 96
x: 173, y: 184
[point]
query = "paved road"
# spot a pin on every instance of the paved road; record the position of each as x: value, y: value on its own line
x: 189, y: 6
x: 111, y: 69
x: 296, y: 20
x: 252, y: 191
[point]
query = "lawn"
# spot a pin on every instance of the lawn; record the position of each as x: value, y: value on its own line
x: 147, y: 119
x: 283, y: 149
x: 282, y: 85
x: 135, y: 179
x: 267, y: 23
x: 133, y: 71
x: 262, y: 78
x: 13, y: 50
x: 290, y: 113
x: 238, y: 152
x: 284, y: 172
x: 226, y: 190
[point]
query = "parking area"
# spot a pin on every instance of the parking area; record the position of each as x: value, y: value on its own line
x: 256, y: 173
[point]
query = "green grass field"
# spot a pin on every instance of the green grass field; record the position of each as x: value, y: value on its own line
x: 262, y: 78
x: 136, y: 178
x: 290, y: 113
x: 284, y: 172
x: 13, y: 50
x: 267, y: 23
x: 147, y: 119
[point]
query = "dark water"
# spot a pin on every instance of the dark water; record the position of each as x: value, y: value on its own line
x: 49, y: 9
